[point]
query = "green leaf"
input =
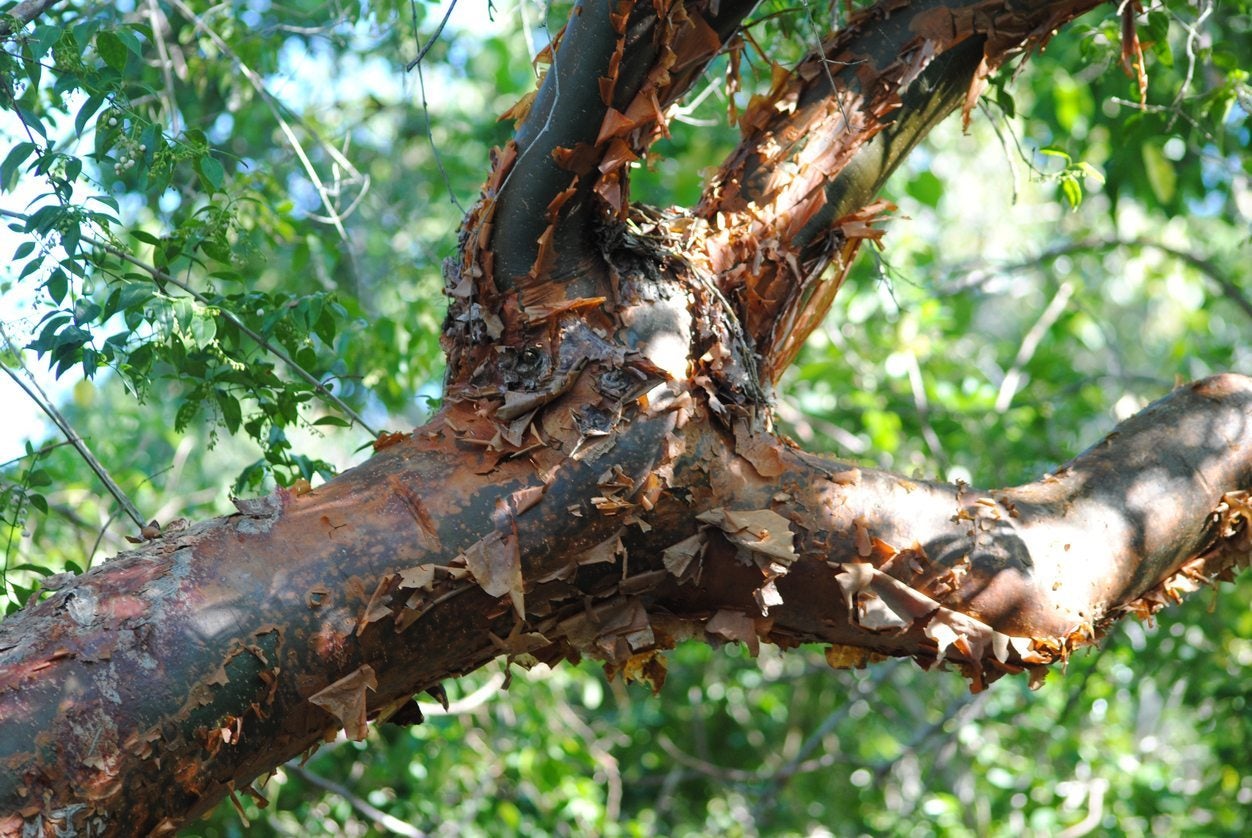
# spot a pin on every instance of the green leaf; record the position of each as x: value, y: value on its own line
x: 127, y: 36
x: 1055, y: 152
x: 14, y: 159
x: 31, y: 266
x: 42, y: 40
x: 203, y: 330
x: 1072, y: 191
x: 1160, y: 172
x: 112, y: 50
x: 57, y: 285
x: 86, y: 310
x: 231, y: 413
x: 70, y: 238
x: 212, y: 172
x: 927, y: 188
x: 93, y: 103
x: 1091, y: 172
x: 1005, y: 100
x: 42, y: 220
x: 186, y: 411
x: 334, y: 421
x: 31, y: 121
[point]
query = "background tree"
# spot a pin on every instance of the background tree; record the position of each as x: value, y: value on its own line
x: 936, y: 362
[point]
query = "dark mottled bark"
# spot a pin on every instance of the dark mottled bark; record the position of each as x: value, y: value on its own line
x: 603, y: 480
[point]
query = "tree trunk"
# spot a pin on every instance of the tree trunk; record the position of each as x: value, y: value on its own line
x: 604, y: 479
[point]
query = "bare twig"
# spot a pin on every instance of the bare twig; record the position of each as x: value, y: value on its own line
x: 922, y: 405
x: 706, y: 768
x: 1013, y: 378
x: 1004, y: 145
x: 795, y: 764
x: 554, y: 73
x: 36, y: 393
x: 377, y: 817
x: 1096, y: 788
x: 808, y: 428
x: 602, y: 756
x: 422, y: 50
x: 962, y: 705
x: 95, y: 546
x: 421, y: 87
x: 977, y: 277
x: 1193, y: 36
x: 469, y: 703
x: 160, y: 28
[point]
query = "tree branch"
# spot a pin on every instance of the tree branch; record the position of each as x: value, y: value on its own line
x: 795, y: 195
x: 575, y: 140
x: 250, y: 618
x: 308, y: 613
x: 1050, y: 563
x: 23, y: 13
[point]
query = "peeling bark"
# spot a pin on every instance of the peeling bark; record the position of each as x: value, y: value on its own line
x: 604, y: 479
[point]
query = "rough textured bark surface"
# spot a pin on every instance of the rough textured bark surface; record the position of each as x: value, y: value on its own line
x: 604, y: 480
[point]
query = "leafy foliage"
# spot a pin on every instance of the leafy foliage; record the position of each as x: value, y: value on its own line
x: 209, y: 199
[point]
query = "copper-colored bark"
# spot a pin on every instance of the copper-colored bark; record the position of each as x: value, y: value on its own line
x: 604, y: 480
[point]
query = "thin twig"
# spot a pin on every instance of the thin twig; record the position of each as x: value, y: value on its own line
x: 421, y: 87
x: 554, y: 72
x: 1228, y: 288
x: 469, y: 703
x: 422, y: 50
x: 36, y: 453
x: 377, y: 816
x: 962, y: 704
x: 1193, y: 35
x: 40, y: 398
x: 1004, y: 146
x: 159, y: 32
x: 836, y: 717
x: 922, y: 405
x: 95, y: 547
x: 1013, y: 378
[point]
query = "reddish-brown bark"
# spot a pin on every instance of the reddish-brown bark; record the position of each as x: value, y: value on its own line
x: 604, y: 480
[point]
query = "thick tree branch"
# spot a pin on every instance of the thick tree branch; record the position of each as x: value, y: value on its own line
x: 1051, y: 562
x: 225, y: 649
x: 796, y: 194
x: 600, y: 105
x: 215, y: 651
